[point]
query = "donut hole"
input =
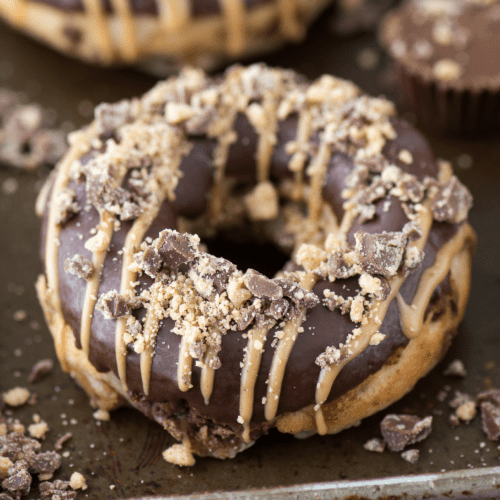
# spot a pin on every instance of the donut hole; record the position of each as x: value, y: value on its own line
x: 245, y: 252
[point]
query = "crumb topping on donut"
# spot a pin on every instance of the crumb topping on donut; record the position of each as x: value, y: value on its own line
x: 130, y: 161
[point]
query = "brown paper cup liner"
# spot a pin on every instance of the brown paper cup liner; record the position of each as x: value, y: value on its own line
x: 448, y: 110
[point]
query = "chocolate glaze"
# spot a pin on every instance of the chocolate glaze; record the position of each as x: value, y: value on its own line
x: 199, y: 8
x: 322, y: 327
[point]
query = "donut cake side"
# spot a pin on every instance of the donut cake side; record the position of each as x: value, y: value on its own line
x: 163, y: 35
x: 376, y: 229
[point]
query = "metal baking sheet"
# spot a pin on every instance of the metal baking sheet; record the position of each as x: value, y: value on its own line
x: 122, y: 458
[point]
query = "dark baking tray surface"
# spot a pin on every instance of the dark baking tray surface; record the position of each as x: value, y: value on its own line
x: 122, y: 458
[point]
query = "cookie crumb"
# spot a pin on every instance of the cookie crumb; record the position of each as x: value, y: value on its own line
x: 102, y: 415
x: 455, y: 369
x: 375, y: 444
x: 77, y: 481
x: 38, y: 430
x: 18, y: 396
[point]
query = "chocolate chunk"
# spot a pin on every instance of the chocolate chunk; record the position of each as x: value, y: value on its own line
x: 40, y: 370
x: 130, y: 211
x: 149, y: 261
x: 17, y: 446
x: 412, y: 190
x: 44, y: 463
x: 211, y: 274
x: 262, y: 321
x: 338, y: 268
x: 109, y: 117
x: 402, y: 430
x: 79, y: 266
x: 247, y: 316
x: 412, y: 231
x: 66, y: 206
x: 490, y: 419
x: 175, y: 249
x: 278, y: 308
x: 19, y: 480
x: 452, y: 202
x: 56, y: 489
x: 385, y: 289
x: 492, y: 396
x: 333, y: 301
x: 299, y: 295
x: 411, y: 456
x: 261, y: 286
x: 113, y: 305
x: 380, y: 253
x: 292, y: 312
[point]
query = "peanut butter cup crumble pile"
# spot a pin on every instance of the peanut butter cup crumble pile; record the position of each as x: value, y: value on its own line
x: 375, y: 229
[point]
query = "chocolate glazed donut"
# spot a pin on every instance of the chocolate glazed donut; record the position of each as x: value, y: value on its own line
x: 163, y: 35
x: 375, y: 227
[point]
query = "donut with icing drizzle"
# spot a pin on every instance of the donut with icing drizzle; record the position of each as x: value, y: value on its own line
x: 374, y: 226
x: 162, y: 35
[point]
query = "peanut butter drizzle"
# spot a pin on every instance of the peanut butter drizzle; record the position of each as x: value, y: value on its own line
x: 207, y: 376
x: 151, y: 327
x: 174, y: 14
x: 377, y: 313
x: 134, y: 237
x: 128, y: 41
x: 281, y: 355
x: 317, y: 172
x: 234, y: 12
x: 185, y: 366
x: 105, y: 230
x: 412, y: 315
x: 298, y: 160
x: 290, y: 25
x: 249, y: 374
x: 100, y: 23
x: 52, y: 245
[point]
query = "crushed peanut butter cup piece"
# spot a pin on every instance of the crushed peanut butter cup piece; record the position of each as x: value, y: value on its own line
x: 114, y: 305
x: 412, y: 230
x: 452, y: 202
x: 492, y: 396
x: 44, y: 463
x: 66, y: 206
x: 297, y: 294
x: 400, y: 431
x: 278, y: 308
x: 109, y: 117
x: 56, y: 489
x: 79, y: 266
x: 247, y: 316
x: 338, y: 268
x: 261, y: 286
x: 490, y: 420
x: 176, y: 249
x: 380, y: 253
x: 211, y: 274
x: 149, y: 261
x: 19, y: 481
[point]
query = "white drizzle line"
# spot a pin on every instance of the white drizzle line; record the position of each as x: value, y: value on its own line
x: 249, y: 376
x: 95, y: 11
x: 134, y: 237
x: 128, y: 40
x: 105, y: 229
x: 207, y: 376
x: 412, y: 315
x: 281, y: 355
x: 185, y: 366
x: 234, y: 11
